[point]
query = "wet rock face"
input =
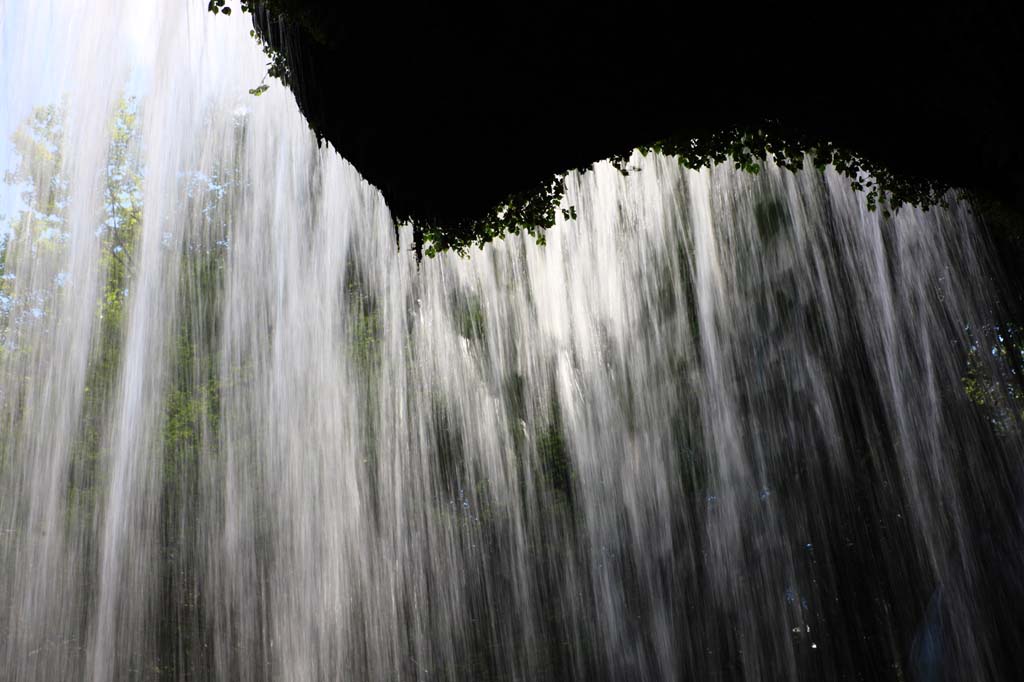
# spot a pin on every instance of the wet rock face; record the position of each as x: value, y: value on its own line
x: 450, y: 109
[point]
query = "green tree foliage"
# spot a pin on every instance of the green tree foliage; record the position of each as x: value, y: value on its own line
x: 38, y: 229
x: 122, y: 203
x: 37, y: 239
x: 31, y: 243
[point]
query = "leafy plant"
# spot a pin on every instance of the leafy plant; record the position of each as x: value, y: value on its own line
x: 277, y: 67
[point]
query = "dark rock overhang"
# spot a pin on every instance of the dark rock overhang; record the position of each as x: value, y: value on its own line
x: 449, y: 108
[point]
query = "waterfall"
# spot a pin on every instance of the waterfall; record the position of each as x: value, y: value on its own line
x: 721, y: 426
